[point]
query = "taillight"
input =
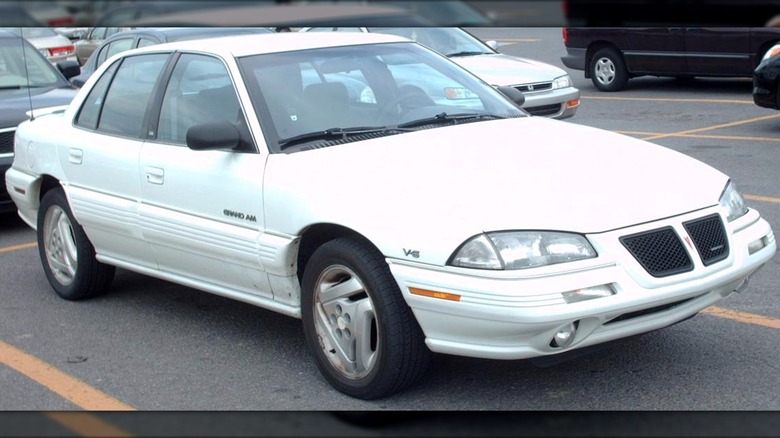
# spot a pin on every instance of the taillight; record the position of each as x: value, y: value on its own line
x: 565, y: 36
x: 61, y: 22
x: 60, y: 50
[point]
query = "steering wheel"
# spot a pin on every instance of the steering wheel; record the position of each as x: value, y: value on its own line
x: 408, y: 98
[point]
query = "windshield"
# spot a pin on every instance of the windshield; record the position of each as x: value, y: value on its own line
x: 449, y: 41
x: 329, y: 93
x: 38, y: 72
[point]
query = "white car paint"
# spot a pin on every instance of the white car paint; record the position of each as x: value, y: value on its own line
x: 231, y: 223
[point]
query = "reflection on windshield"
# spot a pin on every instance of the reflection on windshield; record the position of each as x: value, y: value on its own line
x: 347, y: 93
x: 16, y: 73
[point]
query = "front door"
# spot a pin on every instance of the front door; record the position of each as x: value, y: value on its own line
x: 201, y: 211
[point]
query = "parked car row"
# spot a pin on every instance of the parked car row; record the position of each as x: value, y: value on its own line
x: 612, y: 56
x: 141, y: 37
x: 548, y: 89
x: 392, y: 222
x: 28, y: 83
x: 52, y: 45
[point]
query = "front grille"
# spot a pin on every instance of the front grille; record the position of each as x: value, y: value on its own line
x: 7, y: 142
x: 544, y: 110
x: 709, y: 237
x: 659, y: 251
x: 530, y: 88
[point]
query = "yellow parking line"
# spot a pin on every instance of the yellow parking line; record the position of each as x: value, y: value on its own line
x: 663, y: 99
x: 747, y: 318
x: 517, y: 40
x: 710, y: 128
x: 708, y: 136
x: 86, y: 424
x: 66, y: 386
x: 762, y: 198
x: 18, y: 247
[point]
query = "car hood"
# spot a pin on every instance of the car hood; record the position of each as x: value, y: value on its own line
x: 502, y: 69
x: 14, y: 104
x: 433, y: 189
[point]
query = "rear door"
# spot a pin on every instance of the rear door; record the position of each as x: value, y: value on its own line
x: 101, y: 160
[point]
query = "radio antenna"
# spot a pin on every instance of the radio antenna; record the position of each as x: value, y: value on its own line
x: 26, y: 73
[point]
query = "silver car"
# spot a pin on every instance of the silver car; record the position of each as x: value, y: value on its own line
x: 52, y: 45
x: 548, y: 89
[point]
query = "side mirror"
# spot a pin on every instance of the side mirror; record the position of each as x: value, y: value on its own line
x: 69, y: 69
x: 512, y: 94
x: 492, y: 44
x: 213, y: 136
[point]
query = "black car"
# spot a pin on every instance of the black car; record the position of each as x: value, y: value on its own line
x: 147, y: 36
x: 611, y: 56
x: 27, y: 82
x: 766, y: 80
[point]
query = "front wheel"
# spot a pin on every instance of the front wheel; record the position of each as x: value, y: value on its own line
x: 608, y: 70
x: 365, y: 339
x: 67, y: 255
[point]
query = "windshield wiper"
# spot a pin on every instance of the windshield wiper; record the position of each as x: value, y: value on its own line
x: 465, y: 53
x: 444, y: 118
x: 334, y: 134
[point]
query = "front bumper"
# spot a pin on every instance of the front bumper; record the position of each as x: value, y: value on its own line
x: 557, y: 104
x: 765, y: 82
x: 516, y: 314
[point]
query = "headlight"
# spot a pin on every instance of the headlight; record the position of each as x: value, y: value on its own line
x: 561, y: 82
x: 733, y: 202
x: 521, y: 250
x: 773, y: 51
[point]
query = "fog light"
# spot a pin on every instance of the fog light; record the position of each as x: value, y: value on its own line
x: 588, y: 293
x: 565, y: 335
x: 572, y: 103
x: 758, y: 245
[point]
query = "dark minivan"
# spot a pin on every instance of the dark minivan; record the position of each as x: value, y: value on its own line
x: 610, y: 56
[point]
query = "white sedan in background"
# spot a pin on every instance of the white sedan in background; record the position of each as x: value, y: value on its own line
x: 394, y: 226
x: 548, y: 89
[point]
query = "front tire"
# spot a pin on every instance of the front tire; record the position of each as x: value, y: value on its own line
x: 365, y: 339
x: 608, y: 70
x: 67, y: 255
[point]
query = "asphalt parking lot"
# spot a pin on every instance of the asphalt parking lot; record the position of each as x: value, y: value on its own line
x: 153, y: 346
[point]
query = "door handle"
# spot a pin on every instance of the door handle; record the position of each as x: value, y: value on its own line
x: 75, y: 156
x: 155, y: 175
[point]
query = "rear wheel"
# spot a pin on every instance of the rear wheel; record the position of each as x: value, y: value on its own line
x: 608, y: 70
x: 67, y: 255
x: 365, y: 339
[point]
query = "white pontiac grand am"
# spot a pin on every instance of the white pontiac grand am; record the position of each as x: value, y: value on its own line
x: 393, y: 227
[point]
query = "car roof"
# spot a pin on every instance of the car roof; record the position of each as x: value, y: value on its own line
x: 173, y: 33
x: 243, y: 45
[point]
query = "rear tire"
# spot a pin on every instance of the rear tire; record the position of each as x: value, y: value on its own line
x: 608, y: 70
x: 365, y: 340
x: 67, y: 255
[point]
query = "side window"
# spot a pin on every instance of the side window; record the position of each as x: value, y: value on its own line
x: 128, y: 96
x: 199, y: 91
x: 113, y: 48
x: 99, y: 33
x: 143, y: 42
x: 90, y: 110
